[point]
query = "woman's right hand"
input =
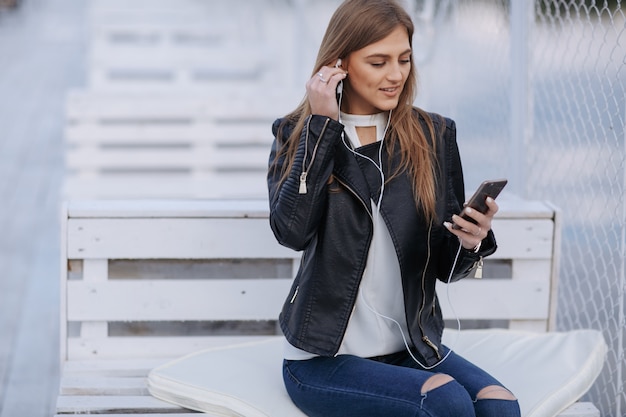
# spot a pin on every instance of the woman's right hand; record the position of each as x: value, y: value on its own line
x: 321, y: 91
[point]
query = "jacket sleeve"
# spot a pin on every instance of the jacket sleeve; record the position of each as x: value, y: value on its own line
x: 467, y: 260
x: 295, y: 215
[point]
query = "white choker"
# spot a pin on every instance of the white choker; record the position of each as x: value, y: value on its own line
x: 352, y: 121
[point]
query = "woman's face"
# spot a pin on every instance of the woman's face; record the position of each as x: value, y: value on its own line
x: 377, y: 73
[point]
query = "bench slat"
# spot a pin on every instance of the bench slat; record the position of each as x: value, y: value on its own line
x: 154, y: 238
x: 112, y: 368
x: 86, y: 134
x: 580, y: 409
x: 500, y: 299
x: 95, y: 404
x: 197, y: 158
x: 123, y: 238
x: 148, y: 347
x: 87, y: 105
x: 511, y: 208
x: 87, y: 386
x: 185, y: 413
x: 177, y: 299
x: 133, y: 187
x: 167, y: 209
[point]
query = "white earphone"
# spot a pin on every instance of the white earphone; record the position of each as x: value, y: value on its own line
x: 340, y: 85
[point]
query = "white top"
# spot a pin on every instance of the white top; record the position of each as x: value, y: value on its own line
x: 378, y: 314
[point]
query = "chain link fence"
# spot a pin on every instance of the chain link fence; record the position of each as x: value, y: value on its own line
x: 538, y: 92
x: 579, y: 71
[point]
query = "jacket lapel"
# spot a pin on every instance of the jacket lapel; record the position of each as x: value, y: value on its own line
x: 347, y: 171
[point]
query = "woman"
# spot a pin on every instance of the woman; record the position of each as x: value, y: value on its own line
x: 368, y: 187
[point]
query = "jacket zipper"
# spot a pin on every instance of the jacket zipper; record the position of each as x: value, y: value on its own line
x: 434, y: 347
x: 357, y: 197
x: 425, y: 338
x: 305, y: 170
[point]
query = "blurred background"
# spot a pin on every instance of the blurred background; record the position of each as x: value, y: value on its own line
x: 537, y: 89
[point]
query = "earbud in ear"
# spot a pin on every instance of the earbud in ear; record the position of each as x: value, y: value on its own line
x: 338, y: 64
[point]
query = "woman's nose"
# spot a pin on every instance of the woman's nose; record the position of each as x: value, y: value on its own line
x: 394, y: 73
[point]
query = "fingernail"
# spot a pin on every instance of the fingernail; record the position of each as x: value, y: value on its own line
x: 468, y: 209
x: 489, y: 199
x: 447, y: 225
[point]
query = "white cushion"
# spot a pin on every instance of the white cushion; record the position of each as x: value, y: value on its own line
x: 243, y: 380
x: 546, y: 371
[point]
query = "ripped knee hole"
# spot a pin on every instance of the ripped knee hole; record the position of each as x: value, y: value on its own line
x: 495, y: 392
x: 436, y: 381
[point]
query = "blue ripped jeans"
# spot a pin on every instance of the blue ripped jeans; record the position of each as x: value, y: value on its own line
x: 346, y: 386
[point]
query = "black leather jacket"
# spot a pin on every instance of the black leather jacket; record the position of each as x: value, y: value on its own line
x: 333, y: 224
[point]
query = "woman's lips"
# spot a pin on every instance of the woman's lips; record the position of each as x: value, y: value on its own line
x: 390, y: 91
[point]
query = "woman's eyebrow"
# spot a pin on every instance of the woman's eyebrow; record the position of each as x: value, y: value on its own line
x: 381, y: 55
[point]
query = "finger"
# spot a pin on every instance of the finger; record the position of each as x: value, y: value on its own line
x: 326, y: 73
x: 484, y: 220
x: 492, y: 205
x: 478, y: 229
x: 336, y: 78
x: 468, y: 240
x: 321, y: 78
x: 464, y: 224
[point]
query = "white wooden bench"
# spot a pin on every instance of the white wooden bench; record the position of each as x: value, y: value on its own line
x: 144, y: 282
x: 168, y: 145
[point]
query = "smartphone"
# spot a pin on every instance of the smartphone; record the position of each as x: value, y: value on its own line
x: 478, y: 201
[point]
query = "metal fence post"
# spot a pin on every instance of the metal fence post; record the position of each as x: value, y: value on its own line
x: 522, y: 21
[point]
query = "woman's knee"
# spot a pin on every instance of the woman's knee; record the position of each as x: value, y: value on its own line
x: 443, y: 396
x: 436, y: 381
x: 496, y: 401
x: 495, y: 392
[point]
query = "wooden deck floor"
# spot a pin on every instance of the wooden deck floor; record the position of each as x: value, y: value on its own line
x: 40, y: 57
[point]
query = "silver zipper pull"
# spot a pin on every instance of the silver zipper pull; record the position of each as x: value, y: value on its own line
x: 479, y: 268
x: 434, y: 347
x: 302, y: 189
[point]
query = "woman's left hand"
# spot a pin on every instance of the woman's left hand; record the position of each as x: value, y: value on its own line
x: 469, y: 233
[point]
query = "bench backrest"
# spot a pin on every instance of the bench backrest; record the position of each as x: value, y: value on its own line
x: 165, y: 278
x: 120, y: 145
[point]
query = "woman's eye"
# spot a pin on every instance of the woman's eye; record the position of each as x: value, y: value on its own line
x: 378, y: 64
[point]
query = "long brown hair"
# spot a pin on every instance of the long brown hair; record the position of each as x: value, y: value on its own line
x: 354, y: 25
